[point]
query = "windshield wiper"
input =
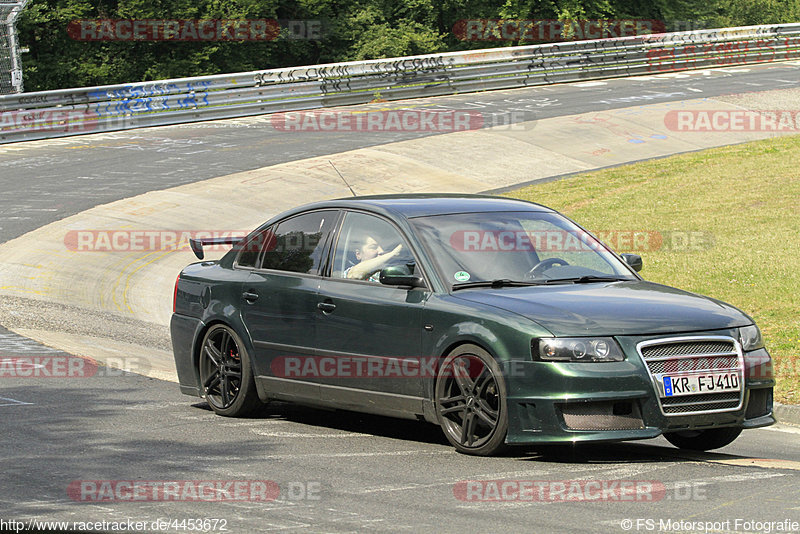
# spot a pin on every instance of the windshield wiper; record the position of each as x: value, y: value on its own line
x: 585, y: 279
x: 501, y: 282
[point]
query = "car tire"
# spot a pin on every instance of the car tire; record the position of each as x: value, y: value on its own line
x: 703, y: 440
x: 470, y: 399
x: 226, y: 376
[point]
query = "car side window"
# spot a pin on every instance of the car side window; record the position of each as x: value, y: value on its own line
x: 251, y: 247
x: 296, y: 245
x: 366, y: 245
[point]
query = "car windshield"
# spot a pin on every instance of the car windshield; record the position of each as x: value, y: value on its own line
x: 506, y: 247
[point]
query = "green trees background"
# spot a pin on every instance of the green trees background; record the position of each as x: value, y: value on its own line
x: 352, y: 30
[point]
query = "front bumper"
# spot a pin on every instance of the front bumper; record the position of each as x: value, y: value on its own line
x: 558, y: 402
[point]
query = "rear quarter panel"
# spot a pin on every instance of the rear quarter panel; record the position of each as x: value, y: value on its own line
x: 207, y: 294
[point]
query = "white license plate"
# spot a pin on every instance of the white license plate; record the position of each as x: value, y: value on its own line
x: 677, y: 385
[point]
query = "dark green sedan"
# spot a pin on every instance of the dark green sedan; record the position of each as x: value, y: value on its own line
x: 500, y: 320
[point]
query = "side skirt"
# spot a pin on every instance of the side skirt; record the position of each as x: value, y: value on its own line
x: 338, y: 397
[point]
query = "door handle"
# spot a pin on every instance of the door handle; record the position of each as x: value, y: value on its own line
x: 249, y: 296
x: 326, y: 307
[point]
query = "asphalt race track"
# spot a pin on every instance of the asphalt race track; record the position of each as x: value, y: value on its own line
x: 335, y: 471
x: 48, y: 180
x: 345, y: 472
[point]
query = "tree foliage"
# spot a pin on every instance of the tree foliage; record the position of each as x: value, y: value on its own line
x: 352, y: 30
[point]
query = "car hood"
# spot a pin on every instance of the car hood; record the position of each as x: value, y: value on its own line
x: 611, y: 308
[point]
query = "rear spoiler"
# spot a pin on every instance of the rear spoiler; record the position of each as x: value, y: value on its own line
x: 197, y: 244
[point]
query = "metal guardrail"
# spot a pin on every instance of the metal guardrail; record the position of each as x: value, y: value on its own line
x: 49, y: 114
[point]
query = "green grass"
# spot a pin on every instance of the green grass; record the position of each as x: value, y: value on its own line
x: 746, y: 198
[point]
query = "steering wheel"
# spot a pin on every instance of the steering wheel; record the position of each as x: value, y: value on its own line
x: 543, y: 265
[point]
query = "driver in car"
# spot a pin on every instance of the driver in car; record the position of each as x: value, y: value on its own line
x: 372, y: 259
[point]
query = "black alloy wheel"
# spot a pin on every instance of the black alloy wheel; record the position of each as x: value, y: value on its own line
x: 471, y: 401
x: 226, y: 374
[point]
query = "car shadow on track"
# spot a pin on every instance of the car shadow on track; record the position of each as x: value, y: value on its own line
x: 345, y: 421
x: 426, y: 433
x: 615, y: 453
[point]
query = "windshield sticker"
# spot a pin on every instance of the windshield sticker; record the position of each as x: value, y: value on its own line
x: 461, y: 276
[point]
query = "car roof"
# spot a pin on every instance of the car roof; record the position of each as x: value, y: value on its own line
x: 421, y: 205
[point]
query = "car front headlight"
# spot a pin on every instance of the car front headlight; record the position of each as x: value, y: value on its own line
x: 750, y: 338
x: 576, y: 349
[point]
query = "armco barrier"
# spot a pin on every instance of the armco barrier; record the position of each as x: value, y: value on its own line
x: 48, y: 114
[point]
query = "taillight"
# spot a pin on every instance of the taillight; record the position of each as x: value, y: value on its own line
x: 175, y: 294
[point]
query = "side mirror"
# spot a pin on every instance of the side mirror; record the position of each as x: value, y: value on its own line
x: 400, y: 275
x: 634, y: 260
